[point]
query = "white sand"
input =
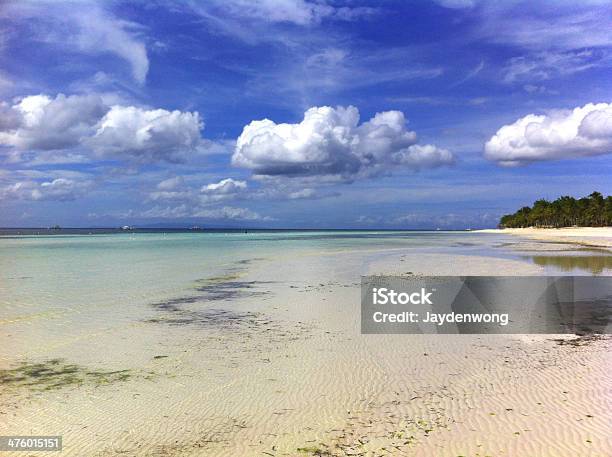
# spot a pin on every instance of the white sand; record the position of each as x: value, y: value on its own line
x: 303, y: 377
x: 587, y: 236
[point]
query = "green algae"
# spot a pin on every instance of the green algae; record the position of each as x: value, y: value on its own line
x: 56, y: 374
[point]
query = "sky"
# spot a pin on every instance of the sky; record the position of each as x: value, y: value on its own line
x: 300, y: 113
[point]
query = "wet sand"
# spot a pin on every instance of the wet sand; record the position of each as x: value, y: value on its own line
x: 268, y: 360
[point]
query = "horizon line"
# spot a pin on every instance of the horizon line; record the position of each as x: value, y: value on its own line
x: 195, y: 229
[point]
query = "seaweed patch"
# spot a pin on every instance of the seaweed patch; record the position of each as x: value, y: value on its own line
x: 208, y: 317
x: 57, y: 373
x: 232, y: 289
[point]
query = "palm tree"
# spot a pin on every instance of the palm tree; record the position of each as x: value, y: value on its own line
x: 594, y: 210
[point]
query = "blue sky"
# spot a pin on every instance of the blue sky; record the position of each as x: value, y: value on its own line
x: 296, y: 113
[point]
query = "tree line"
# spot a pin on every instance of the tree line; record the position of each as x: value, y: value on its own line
x: 591, y: 211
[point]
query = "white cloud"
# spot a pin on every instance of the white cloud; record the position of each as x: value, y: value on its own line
x: 538, y: 89
x: 171, y: 189
x: 581, y: 132
x: 330, y: 141
x: 170, y: 195
x: 550, y: 25
x: 230, y: 213
x: 542, y: 66
x: 147, y: 135
x: 456, y: 4
x: 279, y: 188
x: 471, y: 74
x: 272, y: 189
x: 297, y: 12
x: 307, y: 193
x: 61, y: 189
x: 175, y: 189
x: 43, y: 123
x: 21, y: 190
x: 225, y: 187
x: 549, y: 38
x: 187, y: 211
x: 332, y: 68
x: 84, y: 27
x: 171, y: 183
x: 99, y: 32
x: 423, y: 156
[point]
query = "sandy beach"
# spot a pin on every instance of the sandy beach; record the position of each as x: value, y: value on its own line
x: 278, y: 367
x: 587, y: 236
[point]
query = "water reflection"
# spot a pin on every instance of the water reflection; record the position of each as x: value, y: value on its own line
x: 595, y: 264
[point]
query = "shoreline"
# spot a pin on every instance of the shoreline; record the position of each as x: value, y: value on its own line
x: 599, y: 237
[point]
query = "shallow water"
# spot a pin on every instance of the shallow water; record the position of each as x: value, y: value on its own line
x: 55, y: 287
x: 595, y: 264
x: 61, y: 287
x: 107, y: 275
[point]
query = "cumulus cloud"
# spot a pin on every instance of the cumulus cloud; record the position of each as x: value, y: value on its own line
x: 224, y: 187
x: 330, y: 141
x: 423, y: 156
x: 581, y: 132
x: 43, y: 123
x: 147, y: 135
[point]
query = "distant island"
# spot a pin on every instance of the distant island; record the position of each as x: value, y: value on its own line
x: 592, y: 211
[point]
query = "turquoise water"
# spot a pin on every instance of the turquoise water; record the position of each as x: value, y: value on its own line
x: 59, y: 271
x: 63, y: 286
